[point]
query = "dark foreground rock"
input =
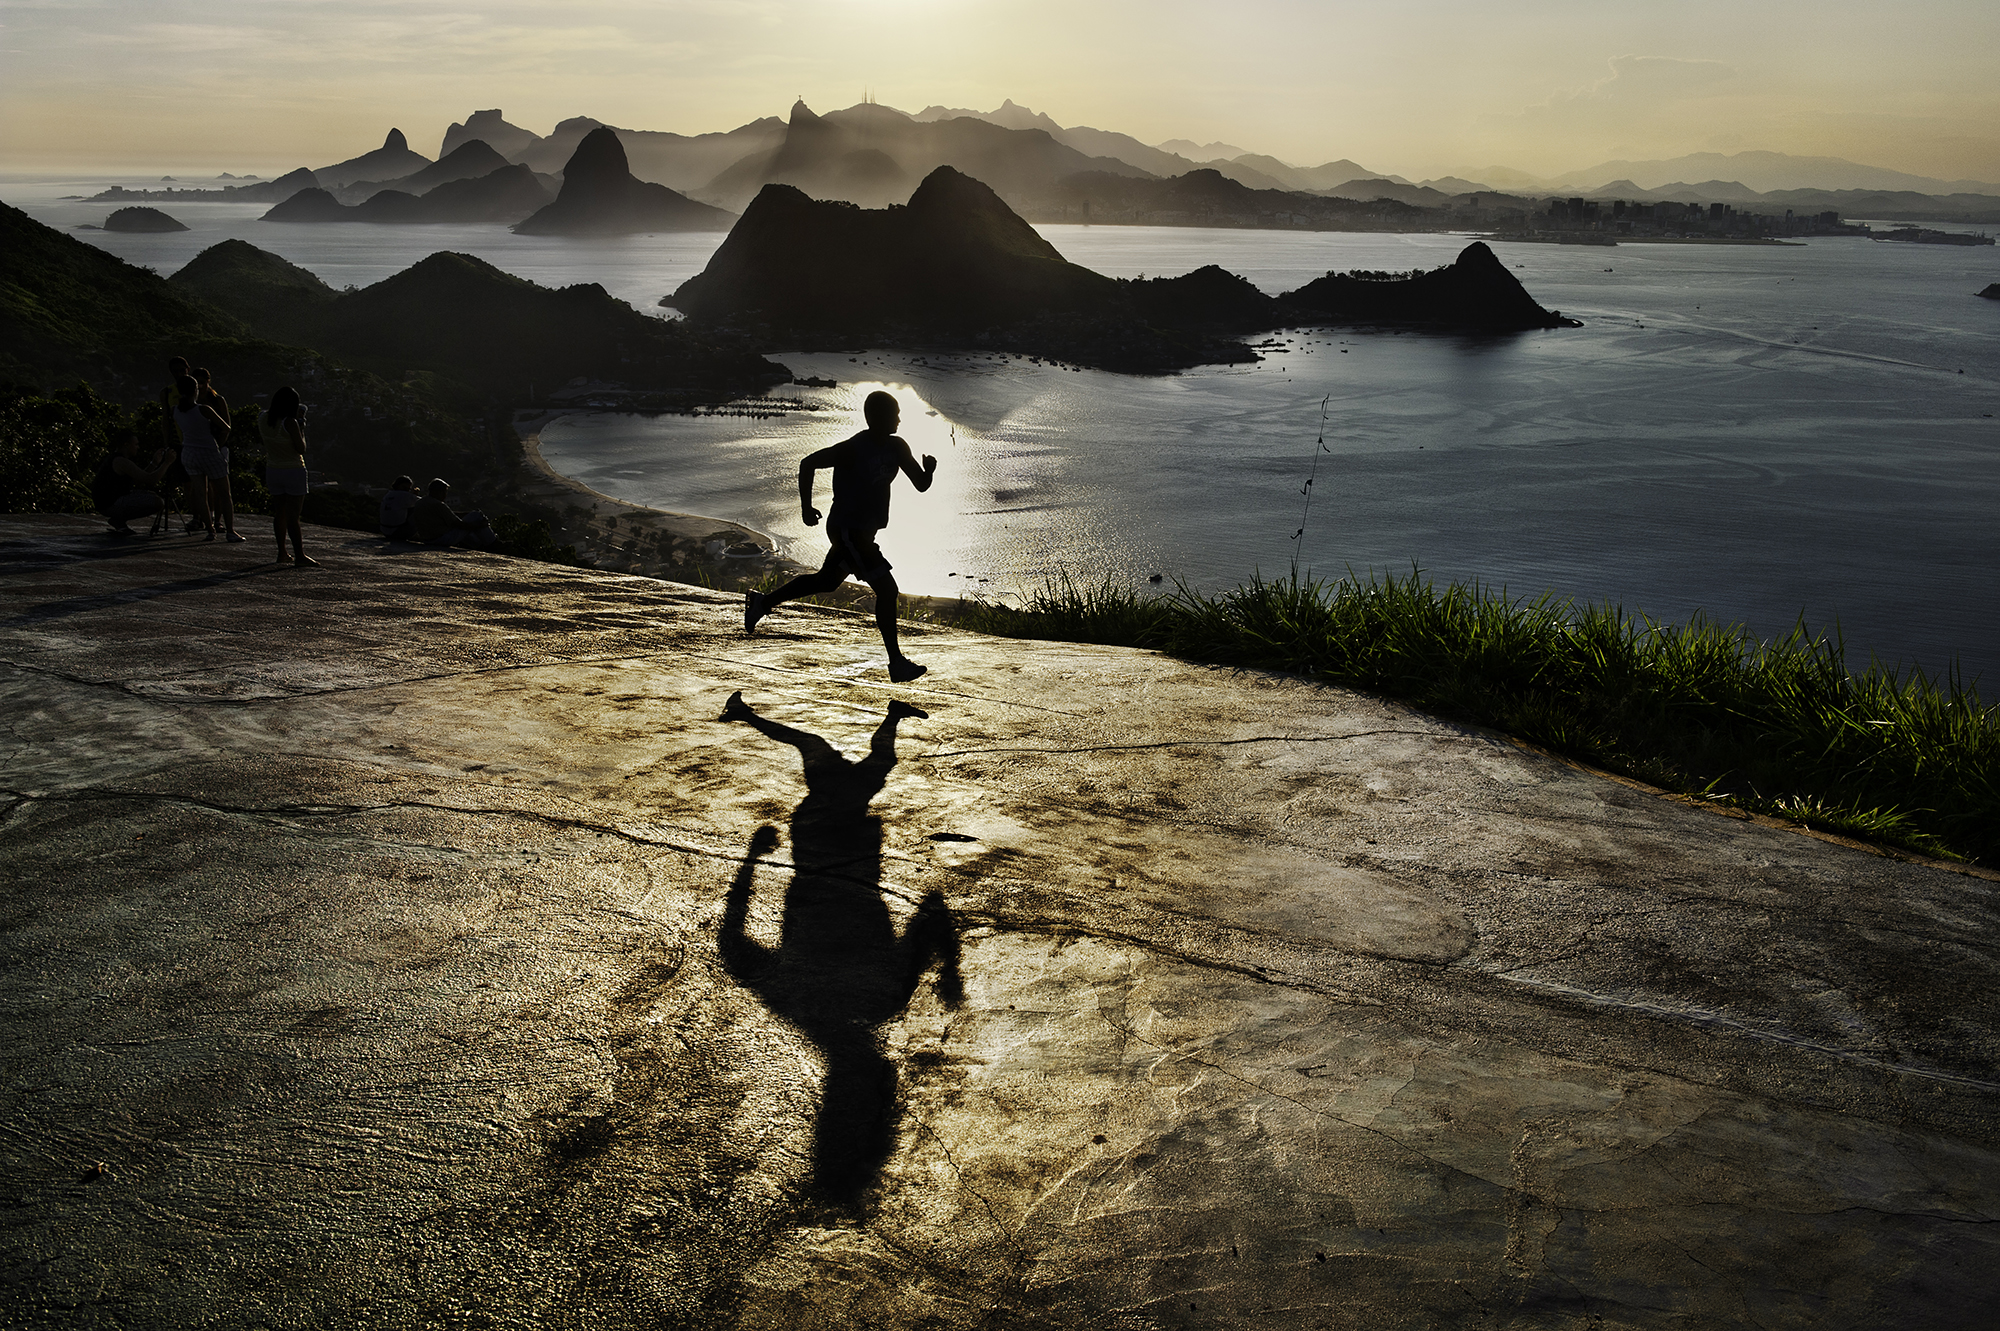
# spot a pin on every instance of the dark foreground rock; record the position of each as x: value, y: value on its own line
x: 466, y: 322
x: 143, y: 220
x: 601, y: 197
x: 421, y: 940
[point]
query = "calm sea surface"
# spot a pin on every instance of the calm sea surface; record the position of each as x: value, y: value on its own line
x: 1759, y: 433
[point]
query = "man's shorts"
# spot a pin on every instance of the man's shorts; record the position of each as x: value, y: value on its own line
x: 207, y: 462
x: 854, y: 549
x: 285, y: 480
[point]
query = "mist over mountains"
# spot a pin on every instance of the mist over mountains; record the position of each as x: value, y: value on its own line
x: 870, y: 154
x: 873, y: 155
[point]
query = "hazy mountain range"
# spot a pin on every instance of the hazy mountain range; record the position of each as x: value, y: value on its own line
x: 874, y: 155
x: 886, y: 151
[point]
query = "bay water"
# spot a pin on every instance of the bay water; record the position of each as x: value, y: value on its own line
x: 1757, y: 433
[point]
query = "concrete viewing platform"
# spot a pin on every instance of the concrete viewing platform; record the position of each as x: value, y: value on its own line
x: 426, y: 940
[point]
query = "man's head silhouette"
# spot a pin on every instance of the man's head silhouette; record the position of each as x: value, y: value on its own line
x: 882, y: 412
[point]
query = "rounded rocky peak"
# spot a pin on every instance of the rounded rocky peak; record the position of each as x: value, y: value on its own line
x: 600, y: 154
x: 1479, y: 255
x: 478, y: 118
x: 396, y: 141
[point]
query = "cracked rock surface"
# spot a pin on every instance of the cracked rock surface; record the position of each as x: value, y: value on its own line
x: 430, y: 940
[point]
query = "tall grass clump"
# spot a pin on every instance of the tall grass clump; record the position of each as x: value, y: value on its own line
x: 1780, y: 727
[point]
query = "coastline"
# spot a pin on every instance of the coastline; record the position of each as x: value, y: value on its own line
x: 673, y: 547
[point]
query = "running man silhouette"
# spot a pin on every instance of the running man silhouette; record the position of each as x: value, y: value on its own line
x: 863, y: 469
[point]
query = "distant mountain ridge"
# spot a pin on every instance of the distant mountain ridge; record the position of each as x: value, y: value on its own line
x: 1757, y: 171
x: 391, y: 161
x: 601, y: 197
x: 715, y: 167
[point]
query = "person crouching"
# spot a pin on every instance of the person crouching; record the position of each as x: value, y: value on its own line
x: 436, y: 524
x: 124, y: 488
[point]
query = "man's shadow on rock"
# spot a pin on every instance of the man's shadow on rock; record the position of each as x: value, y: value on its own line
x: 840, y: 970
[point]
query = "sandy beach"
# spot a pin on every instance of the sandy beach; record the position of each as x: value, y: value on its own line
x: 630, y: 538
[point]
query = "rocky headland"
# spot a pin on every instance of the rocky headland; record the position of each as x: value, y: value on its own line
x: 601, y: 197
x: 957, y: 264
x: 1474, y: 294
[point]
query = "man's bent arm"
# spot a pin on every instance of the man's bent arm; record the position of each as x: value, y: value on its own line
x: 919, y: 477
x: 811, y: 463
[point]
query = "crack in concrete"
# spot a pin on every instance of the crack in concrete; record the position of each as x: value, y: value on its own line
x: 1716, y: 1019
x: 1317, y: 1112
x: 1202, y: 743
x: 197, y: 700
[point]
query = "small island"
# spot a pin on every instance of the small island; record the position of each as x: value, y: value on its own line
x: 142, y: 220
x: 1992, y: 291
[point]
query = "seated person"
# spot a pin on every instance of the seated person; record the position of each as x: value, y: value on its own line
x: 124, y: 487
x: 396, y: 506
x: 436, y: 524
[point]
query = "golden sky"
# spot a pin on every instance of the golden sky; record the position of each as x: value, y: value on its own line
x: 1418, y: 89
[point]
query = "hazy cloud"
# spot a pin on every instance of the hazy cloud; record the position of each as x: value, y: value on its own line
x: 1640, y: 84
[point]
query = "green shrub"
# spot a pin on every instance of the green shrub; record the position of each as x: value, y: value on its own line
x: 50, y: 448
x: 530, y: 538
x: 331, y: 507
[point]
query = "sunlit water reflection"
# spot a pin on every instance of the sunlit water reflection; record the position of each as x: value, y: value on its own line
x: 1754, y: 432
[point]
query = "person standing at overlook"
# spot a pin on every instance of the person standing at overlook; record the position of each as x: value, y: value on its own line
x: 863, y: 469
x: 220, y: 500
x: 200, y: 428
x: 285, y: 470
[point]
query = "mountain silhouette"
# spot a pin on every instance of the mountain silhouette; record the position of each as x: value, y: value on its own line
x: 310, y: 205
x: 956, y: 262
x: 142, y: 220
x: 489, y: 127
x: 1476, y: 293
x: 956, y: 254
x: 486, y: 331
x: 601, y: 197
x: 551, y: 154
x: 272, y: 295
x: 468, y: 161
x: 392, y: 161
x: 870, y: 154
x: 503, y: 196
